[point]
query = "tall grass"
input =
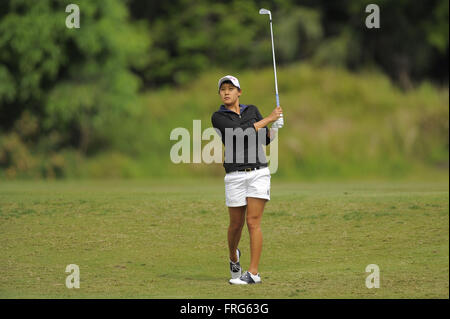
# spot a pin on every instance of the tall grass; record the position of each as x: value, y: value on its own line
x: 337, y: 124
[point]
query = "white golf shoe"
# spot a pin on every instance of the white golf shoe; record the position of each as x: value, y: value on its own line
x: 247, y: 279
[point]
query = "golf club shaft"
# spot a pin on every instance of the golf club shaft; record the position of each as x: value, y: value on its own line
x: 274, y: 65
x: 280, y: 122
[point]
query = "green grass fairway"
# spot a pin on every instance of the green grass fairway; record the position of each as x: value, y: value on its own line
x: 149, y: 239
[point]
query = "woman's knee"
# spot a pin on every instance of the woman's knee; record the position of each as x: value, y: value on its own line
x: 236, y: 225
x: 253, y: 223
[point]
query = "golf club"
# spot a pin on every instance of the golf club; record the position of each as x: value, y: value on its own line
x: 280, y: 122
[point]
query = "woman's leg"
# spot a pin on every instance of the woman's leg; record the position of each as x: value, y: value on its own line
x: 237, y: 220
x: 255, y: 208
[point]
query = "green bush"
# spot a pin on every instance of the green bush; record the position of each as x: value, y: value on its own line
x: 77, y: 82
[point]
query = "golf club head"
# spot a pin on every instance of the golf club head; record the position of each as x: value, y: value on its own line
x: 265, y: 11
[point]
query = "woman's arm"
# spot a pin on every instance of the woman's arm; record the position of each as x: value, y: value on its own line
x: 222, y: 122
x: 271, y: 133
x: 276, y: 113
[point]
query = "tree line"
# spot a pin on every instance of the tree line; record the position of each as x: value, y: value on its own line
x: 71, y: 88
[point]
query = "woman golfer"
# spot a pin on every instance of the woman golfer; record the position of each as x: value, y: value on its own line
x: 247, y: 180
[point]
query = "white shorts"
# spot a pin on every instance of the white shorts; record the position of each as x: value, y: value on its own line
x: 240, y: 185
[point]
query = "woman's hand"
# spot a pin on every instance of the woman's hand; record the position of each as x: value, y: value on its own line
x: 276, y: 113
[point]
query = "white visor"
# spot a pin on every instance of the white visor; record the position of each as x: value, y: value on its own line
x: 229, y: 78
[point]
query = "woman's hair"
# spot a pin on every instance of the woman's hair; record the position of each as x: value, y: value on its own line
x: 228, y: 81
